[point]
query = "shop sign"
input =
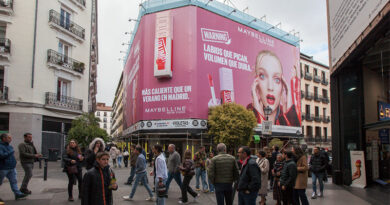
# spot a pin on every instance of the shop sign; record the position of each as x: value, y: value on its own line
x: 384, y: 111
x: 384, y: 136
x: 167, y: 124
x: 358, y: 169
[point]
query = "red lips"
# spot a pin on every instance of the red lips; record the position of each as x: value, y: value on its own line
x: 270, y: 99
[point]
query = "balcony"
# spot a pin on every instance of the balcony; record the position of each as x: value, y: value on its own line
x: 318, y: 118
x: 5, y: 48
x: 308, y: 96
x: 324, y: 81
x: 4, y: 95
x: 308, y: 76
x: 63, y: 62
x: 325, y: 99
x: 317, y: 79
x: 63, y: 103
x: 326, y: 119
x: 66, y: 26
x: 317, y: 97
x: 6, y: 7
x: 309, y: 117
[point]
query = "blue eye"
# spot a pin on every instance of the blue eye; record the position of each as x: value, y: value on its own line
x: 277, y: 80
x: 262, y: 76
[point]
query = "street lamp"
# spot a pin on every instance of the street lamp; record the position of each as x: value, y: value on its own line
x: 267, y: 112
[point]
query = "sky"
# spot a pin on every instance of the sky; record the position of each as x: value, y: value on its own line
x: 307, y: 17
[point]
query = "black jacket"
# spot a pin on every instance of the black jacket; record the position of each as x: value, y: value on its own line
x: 288, y: 174
x: 68, y: 158
x: 93, y: 189
x: 250, y: 177
x: 90, y: 158
x: 318, y: 163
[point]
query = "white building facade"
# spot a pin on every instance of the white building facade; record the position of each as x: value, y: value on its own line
x: 104, y: 113
x: 46, y: 56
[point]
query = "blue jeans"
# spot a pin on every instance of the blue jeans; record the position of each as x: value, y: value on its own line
x: 211, y: 186
x: 173, y: 175
x: 159, y: 200
x: 320, y: 177
x: 247, y: 199
x: 224, y: 192
x: 11, y: 176
x: 132, y: 174
x: 200, y: 173
x: 119, y: 161
x: 141, y: 177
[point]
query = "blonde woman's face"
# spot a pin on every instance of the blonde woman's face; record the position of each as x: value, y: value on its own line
x: 269, y: 78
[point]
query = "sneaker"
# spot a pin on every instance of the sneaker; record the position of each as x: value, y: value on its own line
x: 20, y: 196
x: 313, y: 195
x: 196, y: 197
x: 25, y: 191
x: 205, y: 190
x: 197, y: 189
x: 212, y: 191
x: 127, y: 198
x: 149, y: 199
x: 320, y: 194
x: 182, y: 202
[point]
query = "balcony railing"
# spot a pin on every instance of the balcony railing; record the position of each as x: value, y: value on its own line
x: 308, y: 95
x: 318, y: 118
x: 56, y: 18
x: 324, y: 81
x: 4, y: 93
x: 308, y: 76
x: 63, y: 102
x: 317, y: 79
x: 7, y: 4
x: 65, y: 61
x: 5, y: 45
x: 309, y: 117
x: 326, y: 119
x: 325, y: 99
x: 317, y: 97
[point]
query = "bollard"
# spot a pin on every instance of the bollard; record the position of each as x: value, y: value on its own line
x: 45, y: 169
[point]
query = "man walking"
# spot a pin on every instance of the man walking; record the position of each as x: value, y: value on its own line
x: 200, y: 170
x: 249, y: 182
x: 173, y: 166
x: 318, y: 164
x: 287, y: 178
x: 141, y: 175
x: 27, y: 154
x: 222, y: 173
x: 133, y: 160
x: 161, y: 173
x: 8, y: 164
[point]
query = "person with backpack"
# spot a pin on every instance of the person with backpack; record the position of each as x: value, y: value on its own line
x: 188, y: 172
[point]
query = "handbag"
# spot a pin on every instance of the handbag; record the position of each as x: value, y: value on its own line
x: 73, y: 169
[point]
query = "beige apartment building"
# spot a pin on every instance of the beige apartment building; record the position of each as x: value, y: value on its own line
x: 48, y: 58
x: 117, y: 105
x: 315, y: 95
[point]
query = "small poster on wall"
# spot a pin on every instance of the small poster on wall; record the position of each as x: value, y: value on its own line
x: 358, y: 168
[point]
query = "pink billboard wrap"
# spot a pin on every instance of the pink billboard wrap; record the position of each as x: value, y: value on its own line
x: 214, y: 61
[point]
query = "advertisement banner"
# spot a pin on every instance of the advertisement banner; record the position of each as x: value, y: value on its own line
x: 358, y: 169
x: 383, y: 111
x: 215, y: 61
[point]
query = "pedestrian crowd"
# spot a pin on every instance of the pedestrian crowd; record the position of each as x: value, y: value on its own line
x: 223, y: 175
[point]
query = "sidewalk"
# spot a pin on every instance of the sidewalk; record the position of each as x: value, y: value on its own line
x: 54, y: 191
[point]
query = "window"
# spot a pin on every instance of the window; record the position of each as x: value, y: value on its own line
x: 306, y: 88
x: 65, y: 50
x: 65, y: 18
x: 315, y: 72
x: 325, y: 93
x: 323, y: 75
x: 105, y: 114
x: 324, y: 111
x: 308, y: 109
x: 309, y: 131
x: 325, y: 133
x: 315, y: 91
x: 307, y: 70
x: 318, y: 131
x: 317, y: 111
x: 63, y: 89
x: 105, y: 119
x: 98, y: 113
x: 105, y: 126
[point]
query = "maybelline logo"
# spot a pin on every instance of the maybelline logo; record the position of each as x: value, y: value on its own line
x: 215, y: 36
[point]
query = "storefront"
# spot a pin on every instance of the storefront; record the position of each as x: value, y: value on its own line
x: 360, y: 89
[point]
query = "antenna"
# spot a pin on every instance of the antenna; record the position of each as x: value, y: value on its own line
x: 245, y: 10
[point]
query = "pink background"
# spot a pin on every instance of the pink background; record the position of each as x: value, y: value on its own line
x: 190, y: 67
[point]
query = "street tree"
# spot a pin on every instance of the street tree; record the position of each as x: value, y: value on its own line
x: 85, y: 128
x: 231, y: 124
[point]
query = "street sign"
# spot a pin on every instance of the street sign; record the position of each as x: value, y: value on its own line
x: 266, y: 127
x: 256, y: 139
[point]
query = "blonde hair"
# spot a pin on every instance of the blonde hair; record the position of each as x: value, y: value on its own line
x: 266, y: 53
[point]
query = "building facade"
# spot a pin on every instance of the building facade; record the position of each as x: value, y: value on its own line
x: 104, y: 113
x: 360, y: 85
x: 315, y: 95
x: 45, y: 67
x: 117, y: 115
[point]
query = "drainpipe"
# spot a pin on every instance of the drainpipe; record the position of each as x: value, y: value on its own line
x: 34, y: 44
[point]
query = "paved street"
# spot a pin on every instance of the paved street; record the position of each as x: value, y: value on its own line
x: 54, y: 191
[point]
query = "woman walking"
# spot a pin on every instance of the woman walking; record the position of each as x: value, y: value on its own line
x: 299, y: 192
x: 188, y: 171
x: 73, y: 159
x: 126, y: 155
x: 276, y: 171
x: 208, y: 164
x: 263, y: 163
x: 97, y: 145
x: 113, y: 154
x: 120, y: 156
